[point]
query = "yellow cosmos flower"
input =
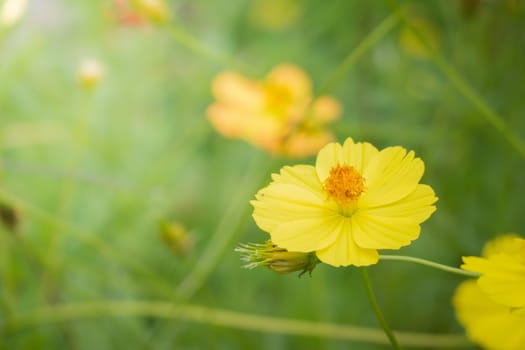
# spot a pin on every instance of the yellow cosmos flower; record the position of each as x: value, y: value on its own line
x: 355, y: 201
x: 278, y: 114
x: 491, y: 325
x: 491, y: 308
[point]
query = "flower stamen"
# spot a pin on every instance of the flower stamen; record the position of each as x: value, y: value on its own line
x: 344, y: 184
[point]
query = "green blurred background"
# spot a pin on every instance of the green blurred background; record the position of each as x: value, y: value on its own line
x: 92, y: 175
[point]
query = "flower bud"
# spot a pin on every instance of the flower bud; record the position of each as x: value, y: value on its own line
x: 277, y: 259
x: 89, y: 73
x: 176, y: 238
x: 9, y: 217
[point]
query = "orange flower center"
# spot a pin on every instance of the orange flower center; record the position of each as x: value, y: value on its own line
x: 344, y: 184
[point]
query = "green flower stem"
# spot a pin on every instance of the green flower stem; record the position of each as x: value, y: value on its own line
x: 225, y: 318
x: 464, y: 88
x: 231, y: 223
x: 186, y: 40
x: 377, y: 310
x: 7, y: 296
x: 429, y: 264
x: 66, y: 201
x: 364, y: 46
x: 234, y: 219
x: 339, y: 73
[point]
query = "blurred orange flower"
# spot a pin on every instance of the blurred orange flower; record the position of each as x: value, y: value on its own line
x: 125, y: 14
x: 278, y: 114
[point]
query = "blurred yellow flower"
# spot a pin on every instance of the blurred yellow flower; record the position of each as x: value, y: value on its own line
x: 278, y: 114
x: 502, y: 271
x: 355, y: 201
x: 11, y: 12
x: 274, y: 14
x: 155, y: 10
x: 90, y: 72
x: 491, y: 308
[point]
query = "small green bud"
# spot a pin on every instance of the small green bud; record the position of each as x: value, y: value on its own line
x: 9, y: 217
x: 275, y: 258
x: 176, y: 238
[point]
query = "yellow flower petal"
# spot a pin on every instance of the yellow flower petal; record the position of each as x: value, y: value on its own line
x: 416, y: 207
x: 232, y: 122
x: 302, y: 144
x: 326, y: 109
x: 384, y: 233
x: 344, y: 251
x: 293, y: 78
x: 280, y: 203
x: 502, y: 244
x: 329, y: 156
x: 357, y: 155
x: 233, y: 89
x: 307, y: 235
x: 391, y: 175
x: 503, y: 278
x: 300, y: 175
x: 474, y: 264
x: 488, y: 324
x: 225, y: 121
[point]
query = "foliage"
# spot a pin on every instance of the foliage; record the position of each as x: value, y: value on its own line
x: 91, y: 174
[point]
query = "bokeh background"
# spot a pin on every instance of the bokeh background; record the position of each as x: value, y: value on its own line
x: 91, y: 177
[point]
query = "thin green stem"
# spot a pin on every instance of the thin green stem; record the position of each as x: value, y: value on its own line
x: 339, y: 73
x: 222, y: 238
x: 377, y: 310
x: 230, y: 225
x: 464, y: 88
x: 67, y: 192
x: 7, y: 301
x: 226, y: 318
x: 186, y: 40
x: 429, y: 263
x: 364, y: 46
